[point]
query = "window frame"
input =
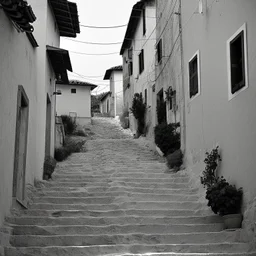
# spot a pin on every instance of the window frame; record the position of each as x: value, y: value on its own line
x: 73, y: 90
x: 141, y: 61
x: 159, y: 48
x: 245, y: 52
x: 144, y: 28
x: 196, y: 54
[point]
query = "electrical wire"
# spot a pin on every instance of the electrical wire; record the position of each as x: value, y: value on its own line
x: 84, y: 42
x: 95, y: 54
x: 100, y: 27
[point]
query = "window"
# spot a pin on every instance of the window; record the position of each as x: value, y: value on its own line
x: 141, y: 61
x: 130, y: 68
x: 159, y: 50
x: 237, y: 62
x: 144, y: 21
x: 194, y: 76
x: 130, y: 53
x: 146, y: 96
x: 73, y: 90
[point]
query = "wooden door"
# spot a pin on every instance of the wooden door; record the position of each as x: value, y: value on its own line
x: 19, y: 177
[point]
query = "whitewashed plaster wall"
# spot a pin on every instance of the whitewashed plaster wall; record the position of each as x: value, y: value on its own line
x: 46, y: 33
x: 18, y: 67
x: 79, y: 102
x: 146, y: 79
x: 211, y: 118
x: 116, y: 87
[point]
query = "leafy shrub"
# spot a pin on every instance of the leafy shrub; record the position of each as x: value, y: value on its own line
x: 167, y: 138
x: 62, y: 153
x: 224, y: 198
x: 124, y: 118
x: 161, y: 112
x: 49, y: 166
x: 209, y: 174
x: 139, y: 109
x: 79, y: 133
x: 174, y: 160
x: 69, y: 124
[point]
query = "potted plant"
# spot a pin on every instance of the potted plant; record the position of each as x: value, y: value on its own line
x: 223, y: 198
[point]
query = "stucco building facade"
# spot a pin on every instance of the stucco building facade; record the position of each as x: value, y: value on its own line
x: 28, y: 74
x: 75, y: 100
x: 219, y: 49
x: 138, y: 52
x: 115, y: 77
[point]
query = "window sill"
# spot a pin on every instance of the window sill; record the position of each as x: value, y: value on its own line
x: 233, y: 95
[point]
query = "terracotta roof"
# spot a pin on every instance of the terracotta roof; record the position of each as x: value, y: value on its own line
x: 105, y: 95
x: 66, y: 16
x: 79, y: 83
x: 109, y: 71
x: 20, y: 13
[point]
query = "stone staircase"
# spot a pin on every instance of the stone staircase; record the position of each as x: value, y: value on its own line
x: 130, y: 207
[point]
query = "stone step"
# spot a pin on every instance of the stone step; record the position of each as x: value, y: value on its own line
x: 123, y: 199
x: 99, y: 221
x: 119, y: 183
x: 82, y: 240
x: 67, y: 194
x: 216, y: 249
x: 115, y: 229
x: 121, y: 179
x: 112, y: 213
x: 80, y: 204
x: 187, y: 191
x: 118, y: 175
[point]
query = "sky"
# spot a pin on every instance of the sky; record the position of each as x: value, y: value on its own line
x: 99, y: 13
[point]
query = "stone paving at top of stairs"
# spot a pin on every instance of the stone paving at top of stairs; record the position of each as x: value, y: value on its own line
x: 117, y: 199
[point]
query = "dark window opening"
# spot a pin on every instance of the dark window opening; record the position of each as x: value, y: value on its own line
x: 144, y: 21
x: 141, y: 61
x: 237, y: 63
x: 193, y: 76
x: 159, y: 50
x: 130, y: 68
x: 73, y: 90
x: 170, y: 102
x: 146, y: 96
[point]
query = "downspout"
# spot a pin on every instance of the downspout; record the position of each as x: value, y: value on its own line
x: 182, y: 96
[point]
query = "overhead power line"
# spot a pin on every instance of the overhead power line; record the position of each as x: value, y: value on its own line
x: 84, y: 42
x: 103, y: 27
x: 95, y: 54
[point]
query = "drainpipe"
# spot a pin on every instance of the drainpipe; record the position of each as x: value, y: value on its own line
x: 182, y: 96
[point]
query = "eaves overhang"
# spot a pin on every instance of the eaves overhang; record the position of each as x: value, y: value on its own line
x: 60, y: 61
x: 109, y: 71
x: 66, y: 15
x: 78, y: 83
x: 20, y: 13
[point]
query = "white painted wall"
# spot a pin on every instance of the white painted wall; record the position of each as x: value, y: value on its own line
x: 116, y: 87
x: 211, y: 118
x: 18, y: 67
x: 79, y: 102
x: 145, y: 80
x: 46, y: 33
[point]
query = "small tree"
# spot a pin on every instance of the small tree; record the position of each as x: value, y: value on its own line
x: 139, y: 109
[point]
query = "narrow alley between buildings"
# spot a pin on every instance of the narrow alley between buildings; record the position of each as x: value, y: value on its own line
x: 116, y: 198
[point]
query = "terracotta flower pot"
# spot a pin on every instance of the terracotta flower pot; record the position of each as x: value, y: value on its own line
x: 232, y: 221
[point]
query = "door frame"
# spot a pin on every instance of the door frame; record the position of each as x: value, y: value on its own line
x: 22, y: 101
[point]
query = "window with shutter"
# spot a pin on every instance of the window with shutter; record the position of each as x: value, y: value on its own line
x: 159, y: 50
x: 130, y: 68
x: 144, y: 21
x: 193, y: 76
x: 237, y: 62
x: 141, y: 61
